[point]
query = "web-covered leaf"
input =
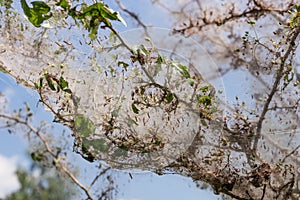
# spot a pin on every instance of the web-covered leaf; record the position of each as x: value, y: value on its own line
x: 38, y: 13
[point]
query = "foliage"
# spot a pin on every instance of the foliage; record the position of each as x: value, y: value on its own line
x: 54, y: 83
x: 90, y: 16
x: 38, y: 13
x: 294, y: 21
x: 41, y: 187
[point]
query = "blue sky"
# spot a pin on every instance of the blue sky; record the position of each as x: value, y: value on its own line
x: 12, y: 146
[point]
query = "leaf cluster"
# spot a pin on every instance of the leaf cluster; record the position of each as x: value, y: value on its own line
x: 92, y: 16
x: 54, y: 83
x: 38, y: 13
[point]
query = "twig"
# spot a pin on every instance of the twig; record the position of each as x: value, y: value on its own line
x: 126, y: 45
x: 259, y: 9
x: 121, y: 39
x: 278, y: 78
x: 97, y: 177
x: 264, y: 192
x: 50, y: 151
x: 59, y: 116
x: 291, y: 153
x: 132, y: 14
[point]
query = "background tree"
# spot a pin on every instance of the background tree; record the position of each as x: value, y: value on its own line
x: 40, y: 184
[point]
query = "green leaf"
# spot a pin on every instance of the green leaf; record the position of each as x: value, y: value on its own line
x: 170, y: 97
x: 63, y: 83
x: 97, y: 144
x: 36, y: 156
x: 297, y: 7
x: 84, y: 126
x: 203, y: 122
x: 38, y: 14
x: 40, y: 7
x: 205, y: 100
x: 140, y: 51
x: 159, y: 60
x: 64, y: 4
x: 112, y: 15
x: 94, y: 15
x: 26, y: 9
x: 68, y: 91
x: 251, y: 22
x: 84, y: 149
x: 123, y: 147
x: 93, y: 34
x: 125, y: 65
x: 99, y: 10
x: 38, y: 85
x: 41, y: 81
x: 50, y: 82
x: 158, y: 66
x: 183, y: 70
x: 191, y: 83
x: 204, y: 88
x: 135, y: 109
x: 108, y: 13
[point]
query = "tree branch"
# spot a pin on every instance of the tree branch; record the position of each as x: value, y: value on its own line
x: 276, y: 83
x: 54, y: 155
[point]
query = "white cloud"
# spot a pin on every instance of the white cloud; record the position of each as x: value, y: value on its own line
x: 9, y: 180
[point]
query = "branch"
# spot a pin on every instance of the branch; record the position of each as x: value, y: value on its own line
x: 50, y: 151
x: 97, y: 177
x: 278, y: 78
x: 124, y: 43
x: 132, y: 14
x: 258, y: 9
x: 291, y: 153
